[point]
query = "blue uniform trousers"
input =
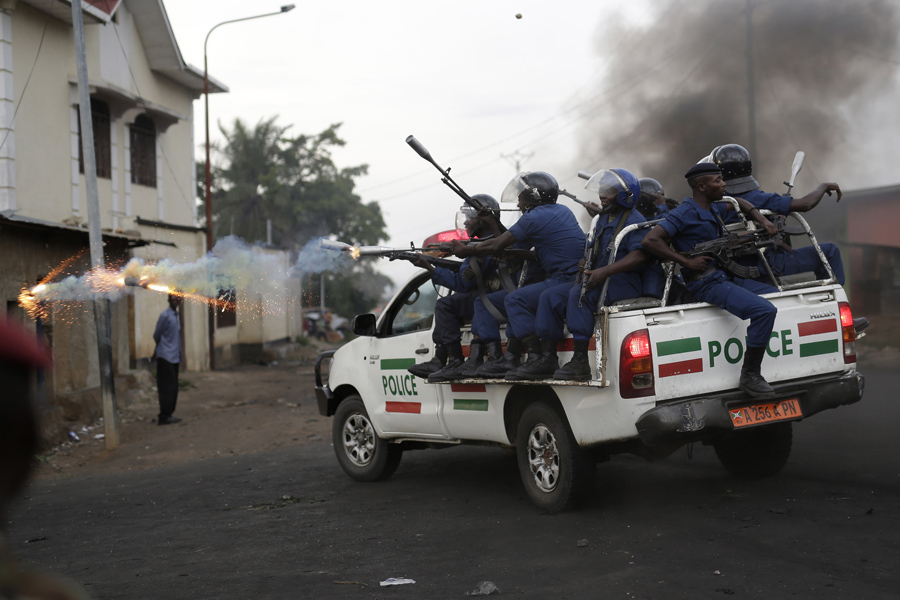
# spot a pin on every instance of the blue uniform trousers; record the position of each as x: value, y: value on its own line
x: 484, y: 325
x: 551, y: 312
x: 580, y: 320
x: 449, y: 313
x: 805, y: 259
x: 741, y: 298
x: 522, y: 307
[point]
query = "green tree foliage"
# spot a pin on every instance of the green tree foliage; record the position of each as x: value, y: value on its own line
x: 263, y: 173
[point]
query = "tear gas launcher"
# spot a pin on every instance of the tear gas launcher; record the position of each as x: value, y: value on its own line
x: 411, y: 254
x: 446, y: 179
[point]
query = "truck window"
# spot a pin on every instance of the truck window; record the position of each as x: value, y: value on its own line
x: 416, y: 311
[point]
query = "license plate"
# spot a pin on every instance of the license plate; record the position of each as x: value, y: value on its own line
x: 765, y: 412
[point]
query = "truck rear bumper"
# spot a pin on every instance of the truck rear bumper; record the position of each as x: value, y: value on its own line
x: 694, y: 417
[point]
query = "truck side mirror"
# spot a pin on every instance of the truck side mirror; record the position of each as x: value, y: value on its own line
x: 364, y: 324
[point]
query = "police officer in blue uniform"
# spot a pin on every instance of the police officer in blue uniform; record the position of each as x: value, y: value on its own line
x: 737, y: 171
x: 653, y: 203
x: 698, y: 220
x: 475, y: 276
x: 618, y: 191
x: 558, y: 241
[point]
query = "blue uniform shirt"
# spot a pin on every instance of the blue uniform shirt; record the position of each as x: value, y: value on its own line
x: 557, y: 238
x: 606, y: 230
x: 166, y: 336
x: 689, y: 225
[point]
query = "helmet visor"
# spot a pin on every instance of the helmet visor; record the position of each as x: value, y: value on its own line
x: 606, y: 183
x: 515, y: 187
x: 465, y: 213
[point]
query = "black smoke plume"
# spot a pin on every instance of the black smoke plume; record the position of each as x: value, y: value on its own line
x: 678, y: 87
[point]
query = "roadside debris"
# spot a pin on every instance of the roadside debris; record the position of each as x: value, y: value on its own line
x: 583, y: 543
x: 485, y: 588
x: 396, y: 581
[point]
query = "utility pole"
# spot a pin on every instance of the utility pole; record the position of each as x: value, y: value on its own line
x: 751, y: 104
x: 101, y: 307
x: 516, y: 159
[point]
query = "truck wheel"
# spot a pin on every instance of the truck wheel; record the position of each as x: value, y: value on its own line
x: 362, y: 454
x: 553, y: 467
x: 755, y: 453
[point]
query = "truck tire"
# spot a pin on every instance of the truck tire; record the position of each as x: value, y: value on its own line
x: 756, y: 453
x: 361, y: 453
x: 554, y: 469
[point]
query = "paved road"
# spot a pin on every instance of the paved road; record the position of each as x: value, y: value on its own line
x: 289, y: 524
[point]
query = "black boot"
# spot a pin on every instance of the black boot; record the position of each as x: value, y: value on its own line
x: 501, y: 364
x: 434, y: 365
x: 543, y: 367
x: 752, y: 382
x: 493, y: 353
x: 454, y: 362
x: 533, y: 348
x: 464, y: 370
x: 860, y: 323
x: 579, y: 368
x: 475, y: 360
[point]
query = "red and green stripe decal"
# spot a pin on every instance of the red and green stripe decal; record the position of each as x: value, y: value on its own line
x: 818, y: 347
x: 680, y: 347
x: 474, y: 404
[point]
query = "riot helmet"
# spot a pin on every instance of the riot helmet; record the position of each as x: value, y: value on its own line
x: 533, y: 188
x: 650, y: 190
x: 466, y: 212
x: 615, y: 182
x: 737, y: 168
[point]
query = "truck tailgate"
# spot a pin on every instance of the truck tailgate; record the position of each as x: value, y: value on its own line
x: 698, y: 348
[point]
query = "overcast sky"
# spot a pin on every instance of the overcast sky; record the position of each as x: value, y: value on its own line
x: 481, y: 89
x: 467, y: 78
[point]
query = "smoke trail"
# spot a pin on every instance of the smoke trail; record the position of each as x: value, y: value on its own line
x: 313, y: 259
x: 681, y: 84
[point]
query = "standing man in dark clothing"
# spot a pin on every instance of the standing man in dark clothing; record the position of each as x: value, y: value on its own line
x: 698, y: 220
x: 168, y: 357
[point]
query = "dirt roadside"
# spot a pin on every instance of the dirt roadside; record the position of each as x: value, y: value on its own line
x: 250, y: 408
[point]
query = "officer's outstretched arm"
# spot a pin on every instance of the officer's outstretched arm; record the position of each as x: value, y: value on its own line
x: 491, y: 246
x: 809, y: 201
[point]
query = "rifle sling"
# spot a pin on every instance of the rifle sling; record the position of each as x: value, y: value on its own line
x: 479, y: 280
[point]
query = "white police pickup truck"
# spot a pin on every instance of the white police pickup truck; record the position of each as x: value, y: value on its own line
x: 664, y: 376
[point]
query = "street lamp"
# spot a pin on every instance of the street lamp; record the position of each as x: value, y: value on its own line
x: 209, y: 232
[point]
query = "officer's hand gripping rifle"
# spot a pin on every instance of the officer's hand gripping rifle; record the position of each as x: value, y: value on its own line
x: 411, y: 254
x: 734, y: 245
x: 446, y: 179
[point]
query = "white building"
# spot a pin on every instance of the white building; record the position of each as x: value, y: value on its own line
x: 142, y: 95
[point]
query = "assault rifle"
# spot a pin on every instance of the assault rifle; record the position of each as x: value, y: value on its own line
x: 735, y: 245
x: 416, y: 145
x: 410, y: 254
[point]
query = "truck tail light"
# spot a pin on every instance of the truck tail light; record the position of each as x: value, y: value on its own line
x: 849, y: 333
x: 636, y: 366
